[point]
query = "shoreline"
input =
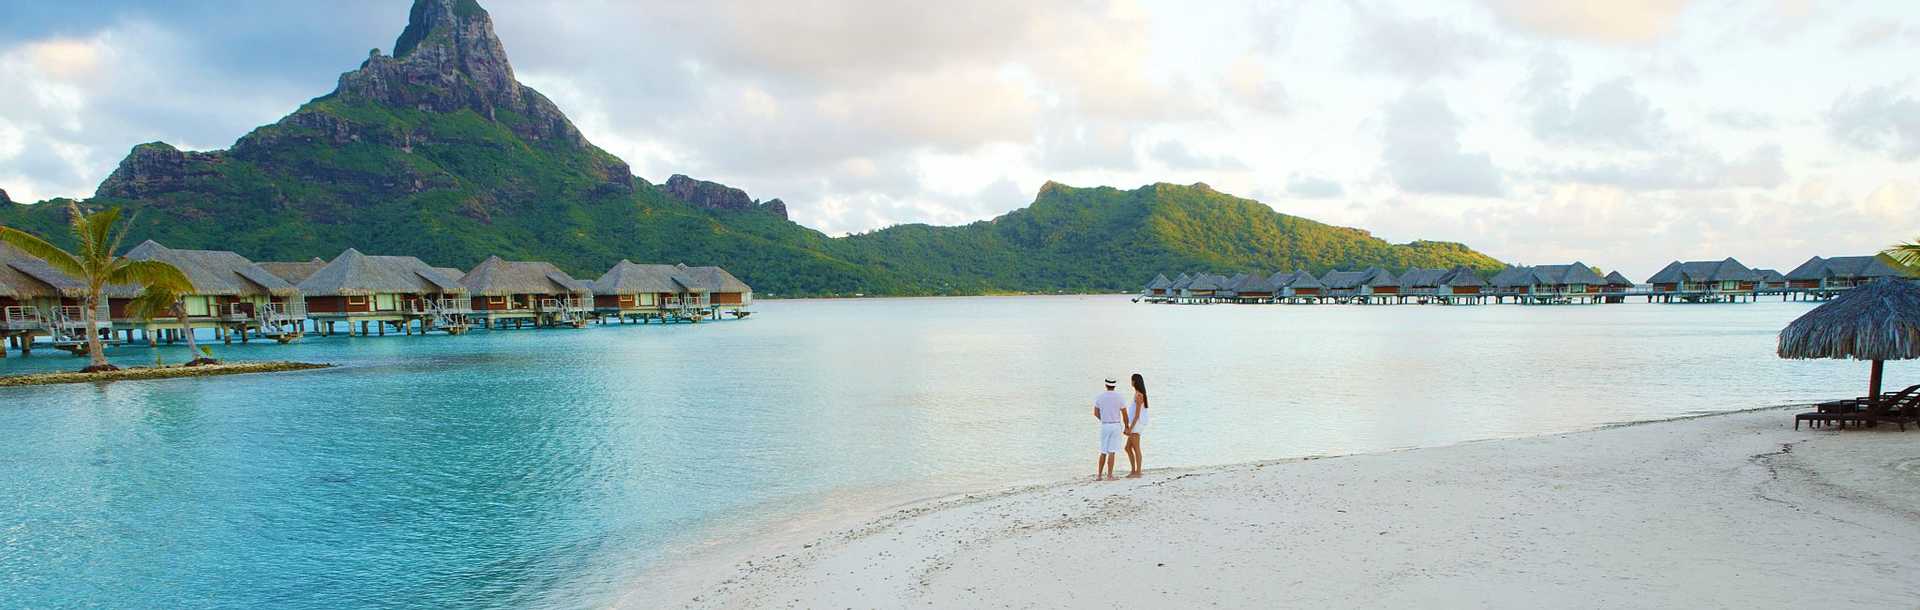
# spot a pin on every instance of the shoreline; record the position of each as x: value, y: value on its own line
x: 943, y: 550
x: 140, y: 373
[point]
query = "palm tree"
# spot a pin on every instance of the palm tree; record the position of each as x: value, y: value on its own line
x: 160, y: 300
x: 96, y: 265
x: 1907, y: 254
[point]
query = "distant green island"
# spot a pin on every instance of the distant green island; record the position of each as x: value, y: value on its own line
x: 437, y: 151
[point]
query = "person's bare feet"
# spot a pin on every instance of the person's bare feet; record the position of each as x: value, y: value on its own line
x: 1133, y: 475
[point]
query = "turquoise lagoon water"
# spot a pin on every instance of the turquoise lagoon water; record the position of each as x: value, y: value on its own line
x: 551, y: 468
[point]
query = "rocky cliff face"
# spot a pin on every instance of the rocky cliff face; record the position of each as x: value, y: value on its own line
x: 716, y: 196
x: 448, y: 59
x: 446, y: 62
x: 3, y: 197
x: 157, y: 168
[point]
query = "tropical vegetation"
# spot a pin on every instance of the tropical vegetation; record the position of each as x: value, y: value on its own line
x: 95, y: 264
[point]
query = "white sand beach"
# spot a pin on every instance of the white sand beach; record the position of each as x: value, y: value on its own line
x: 1736, y: 510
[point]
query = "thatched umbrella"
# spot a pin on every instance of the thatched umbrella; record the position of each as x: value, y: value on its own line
x: 1879, y: 321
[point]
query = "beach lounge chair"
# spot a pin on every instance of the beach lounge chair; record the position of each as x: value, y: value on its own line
x: 1856, y: 404
x: 1902, y: 407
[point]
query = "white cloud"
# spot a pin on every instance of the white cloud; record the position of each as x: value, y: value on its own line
x: 1682, y: 168
x: 1423, y: 153
x: 1881, y: 119
x: 1619, y: 21
x: 1896, y: 201
x: 1414, y: 48
x: 1644, y: 129
x: 1311, y: 187
x: 1611, y: 113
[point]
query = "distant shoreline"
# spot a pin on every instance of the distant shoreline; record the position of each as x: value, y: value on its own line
x: 1600, y: 517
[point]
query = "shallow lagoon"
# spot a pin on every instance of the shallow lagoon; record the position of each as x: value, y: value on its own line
x: 549, y: 468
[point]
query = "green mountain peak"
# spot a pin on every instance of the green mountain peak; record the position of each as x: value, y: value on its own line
x: 439, y: 152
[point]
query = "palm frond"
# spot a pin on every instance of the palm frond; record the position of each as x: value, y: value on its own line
x: 44, y: 250
x: 154, y: 302
x: 81, y: 225
x: 150, y: 273
x: 125, y: 228
x: 1907, y: 254
x: 99, y: 238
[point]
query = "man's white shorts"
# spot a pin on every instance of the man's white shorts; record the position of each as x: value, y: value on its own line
x: 1113, y: 437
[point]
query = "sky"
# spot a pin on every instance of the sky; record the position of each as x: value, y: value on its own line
x: 1624, y: 134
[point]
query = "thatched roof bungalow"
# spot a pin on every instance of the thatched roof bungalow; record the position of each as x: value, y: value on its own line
x: 722, y: 288
x: 633, y: 288
x: 500, y: 287
x: 1459, y: 280
x: 1203, y: 286
x: 30, y: 289
x: 1252, y: 287
x: 1839, y: 272
x: 1371, y: 281
x: 226, y: 285
x: 1296, y: 284
x: 1769, y: 279
x: 1572, y: 278
x: 1158, y: 287
x: 1617, y: 282
x: 1721, y: 276
x: 356, y: 285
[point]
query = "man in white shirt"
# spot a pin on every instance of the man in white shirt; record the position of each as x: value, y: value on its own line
x: 1111, y: 410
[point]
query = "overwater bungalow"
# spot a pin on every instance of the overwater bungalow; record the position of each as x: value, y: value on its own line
x: 514, y: 292
x: 1296, y: 287
x: 1718, y: 281
x: 1822, y: 278
x: 1420, y: 281
x: 1373, y: 285
x: 1228, y: 288
x: 1156, y: 290
x: 38, y: 301
x: 1178, y: 288
x: 1617, y: 287
x: 231, y: 295
x: 383, y: 291
x: 1550, y: 284
x: 1459, y: 285
x: 632, y: 291
x: 1769, y: 280
x: 724, y: 292
x: 1203, y: 289
x: 1252, y: 288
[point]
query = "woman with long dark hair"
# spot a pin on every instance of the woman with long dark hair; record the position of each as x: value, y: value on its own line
x: 1136, y: 423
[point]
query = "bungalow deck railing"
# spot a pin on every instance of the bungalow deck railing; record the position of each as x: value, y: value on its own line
x: 685, y: 303
x: 66, y: 324
x: 570, y: 310
x: 22, y: 317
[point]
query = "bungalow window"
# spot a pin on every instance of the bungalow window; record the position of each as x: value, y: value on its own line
x: 1576, y: 288
x: 496, y: 300
x: 356, y: 301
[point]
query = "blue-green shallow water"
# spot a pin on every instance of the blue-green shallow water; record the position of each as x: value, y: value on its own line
x: 549, y: 468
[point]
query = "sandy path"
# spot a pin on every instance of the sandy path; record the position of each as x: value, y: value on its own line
x: 1736, y: 511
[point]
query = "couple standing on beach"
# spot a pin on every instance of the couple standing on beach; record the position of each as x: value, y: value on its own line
x: 1120, y: 420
